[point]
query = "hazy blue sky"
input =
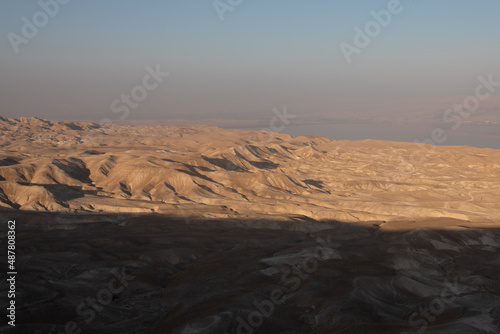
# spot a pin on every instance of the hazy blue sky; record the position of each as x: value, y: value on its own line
x: 264, y: 54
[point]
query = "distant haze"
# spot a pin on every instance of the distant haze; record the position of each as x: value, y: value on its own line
x: 263, y: 55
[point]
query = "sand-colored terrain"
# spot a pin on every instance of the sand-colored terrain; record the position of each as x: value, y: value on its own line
x: 201, y: 230
x: 204, y: 171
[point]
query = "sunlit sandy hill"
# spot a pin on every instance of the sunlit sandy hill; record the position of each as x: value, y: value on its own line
x: 206, y: 171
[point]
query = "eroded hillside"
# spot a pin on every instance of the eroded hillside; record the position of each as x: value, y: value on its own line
x: 206, y: 171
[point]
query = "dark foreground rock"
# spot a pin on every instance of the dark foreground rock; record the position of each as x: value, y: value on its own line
x: 154, y: 274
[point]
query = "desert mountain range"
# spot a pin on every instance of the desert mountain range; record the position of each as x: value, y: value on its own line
x: 209, y: 172
x: 358, y: 236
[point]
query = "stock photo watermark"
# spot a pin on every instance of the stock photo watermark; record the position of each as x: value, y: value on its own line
x: 455, y: 116
x: 429, y: 313
x: 11, y: 272
x: 292, y: 276
x: 459, y: 113
x: 139, y: 93
x: 88, y: 309
x: 123, y: 105
x: 31, y: 27
x: 278, y: 123
x: 372, y: 29
x: 224, y: 6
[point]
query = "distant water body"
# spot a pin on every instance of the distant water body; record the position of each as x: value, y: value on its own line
x: 482, y: 136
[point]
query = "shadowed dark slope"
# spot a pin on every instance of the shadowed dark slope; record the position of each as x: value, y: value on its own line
x: 219, y: 276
